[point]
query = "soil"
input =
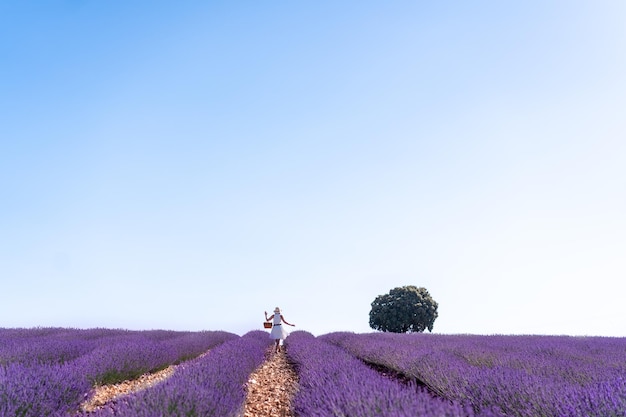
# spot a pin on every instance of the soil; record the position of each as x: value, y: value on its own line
x: 271, y: 388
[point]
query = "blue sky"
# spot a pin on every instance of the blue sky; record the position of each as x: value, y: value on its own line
x: 190, y: 165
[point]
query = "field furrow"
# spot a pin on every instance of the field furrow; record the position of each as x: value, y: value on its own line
x: 271, y: 387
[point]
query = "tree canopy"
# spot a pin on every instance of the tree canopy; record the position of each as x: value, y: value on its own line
x: 404, y: 309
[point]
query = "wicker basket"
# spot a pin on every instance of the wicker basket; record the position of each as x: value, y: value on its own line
x: 267, y: 325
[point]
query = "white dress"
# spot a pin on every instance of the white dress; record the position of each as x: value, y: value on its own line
x: 278, y: 328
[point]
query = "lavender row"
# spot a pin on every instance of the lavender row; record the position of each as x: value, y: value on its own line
x: 335, y: 383
x: 521, y: 375
x: 60, y: 345
x: 51, y: 345
x: 212, y: 385
x: 128, y: 358
x: 54, y: 388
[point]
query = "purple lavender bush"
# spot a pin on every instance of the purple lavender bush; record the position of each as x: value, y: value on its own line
x: 131, y: 356
x: 335, y: 383
x: 38, y: 378
x: 49, y: 345
x: 522, y: 375
x: 60, y: 345
x: 212, y: 385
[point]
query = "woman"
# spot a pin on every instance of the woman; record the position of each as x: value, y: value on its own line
x: 278, y: 332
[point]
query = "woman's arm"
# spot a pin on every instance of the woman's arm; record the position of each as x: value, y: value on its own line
x: 285, y: 321
x: 271, y: 317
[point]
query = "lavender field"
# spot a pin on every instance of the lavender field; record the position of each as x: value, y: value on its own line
x: 518, y: 375
x: 50, y: 371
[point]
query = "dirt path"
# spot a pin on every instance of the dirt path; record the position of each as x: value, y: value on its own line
x: 271, y: 388
x: 105, y: 394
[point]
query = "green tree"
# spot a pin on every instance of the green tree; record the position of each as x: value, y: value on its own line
x: 404, y: 309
